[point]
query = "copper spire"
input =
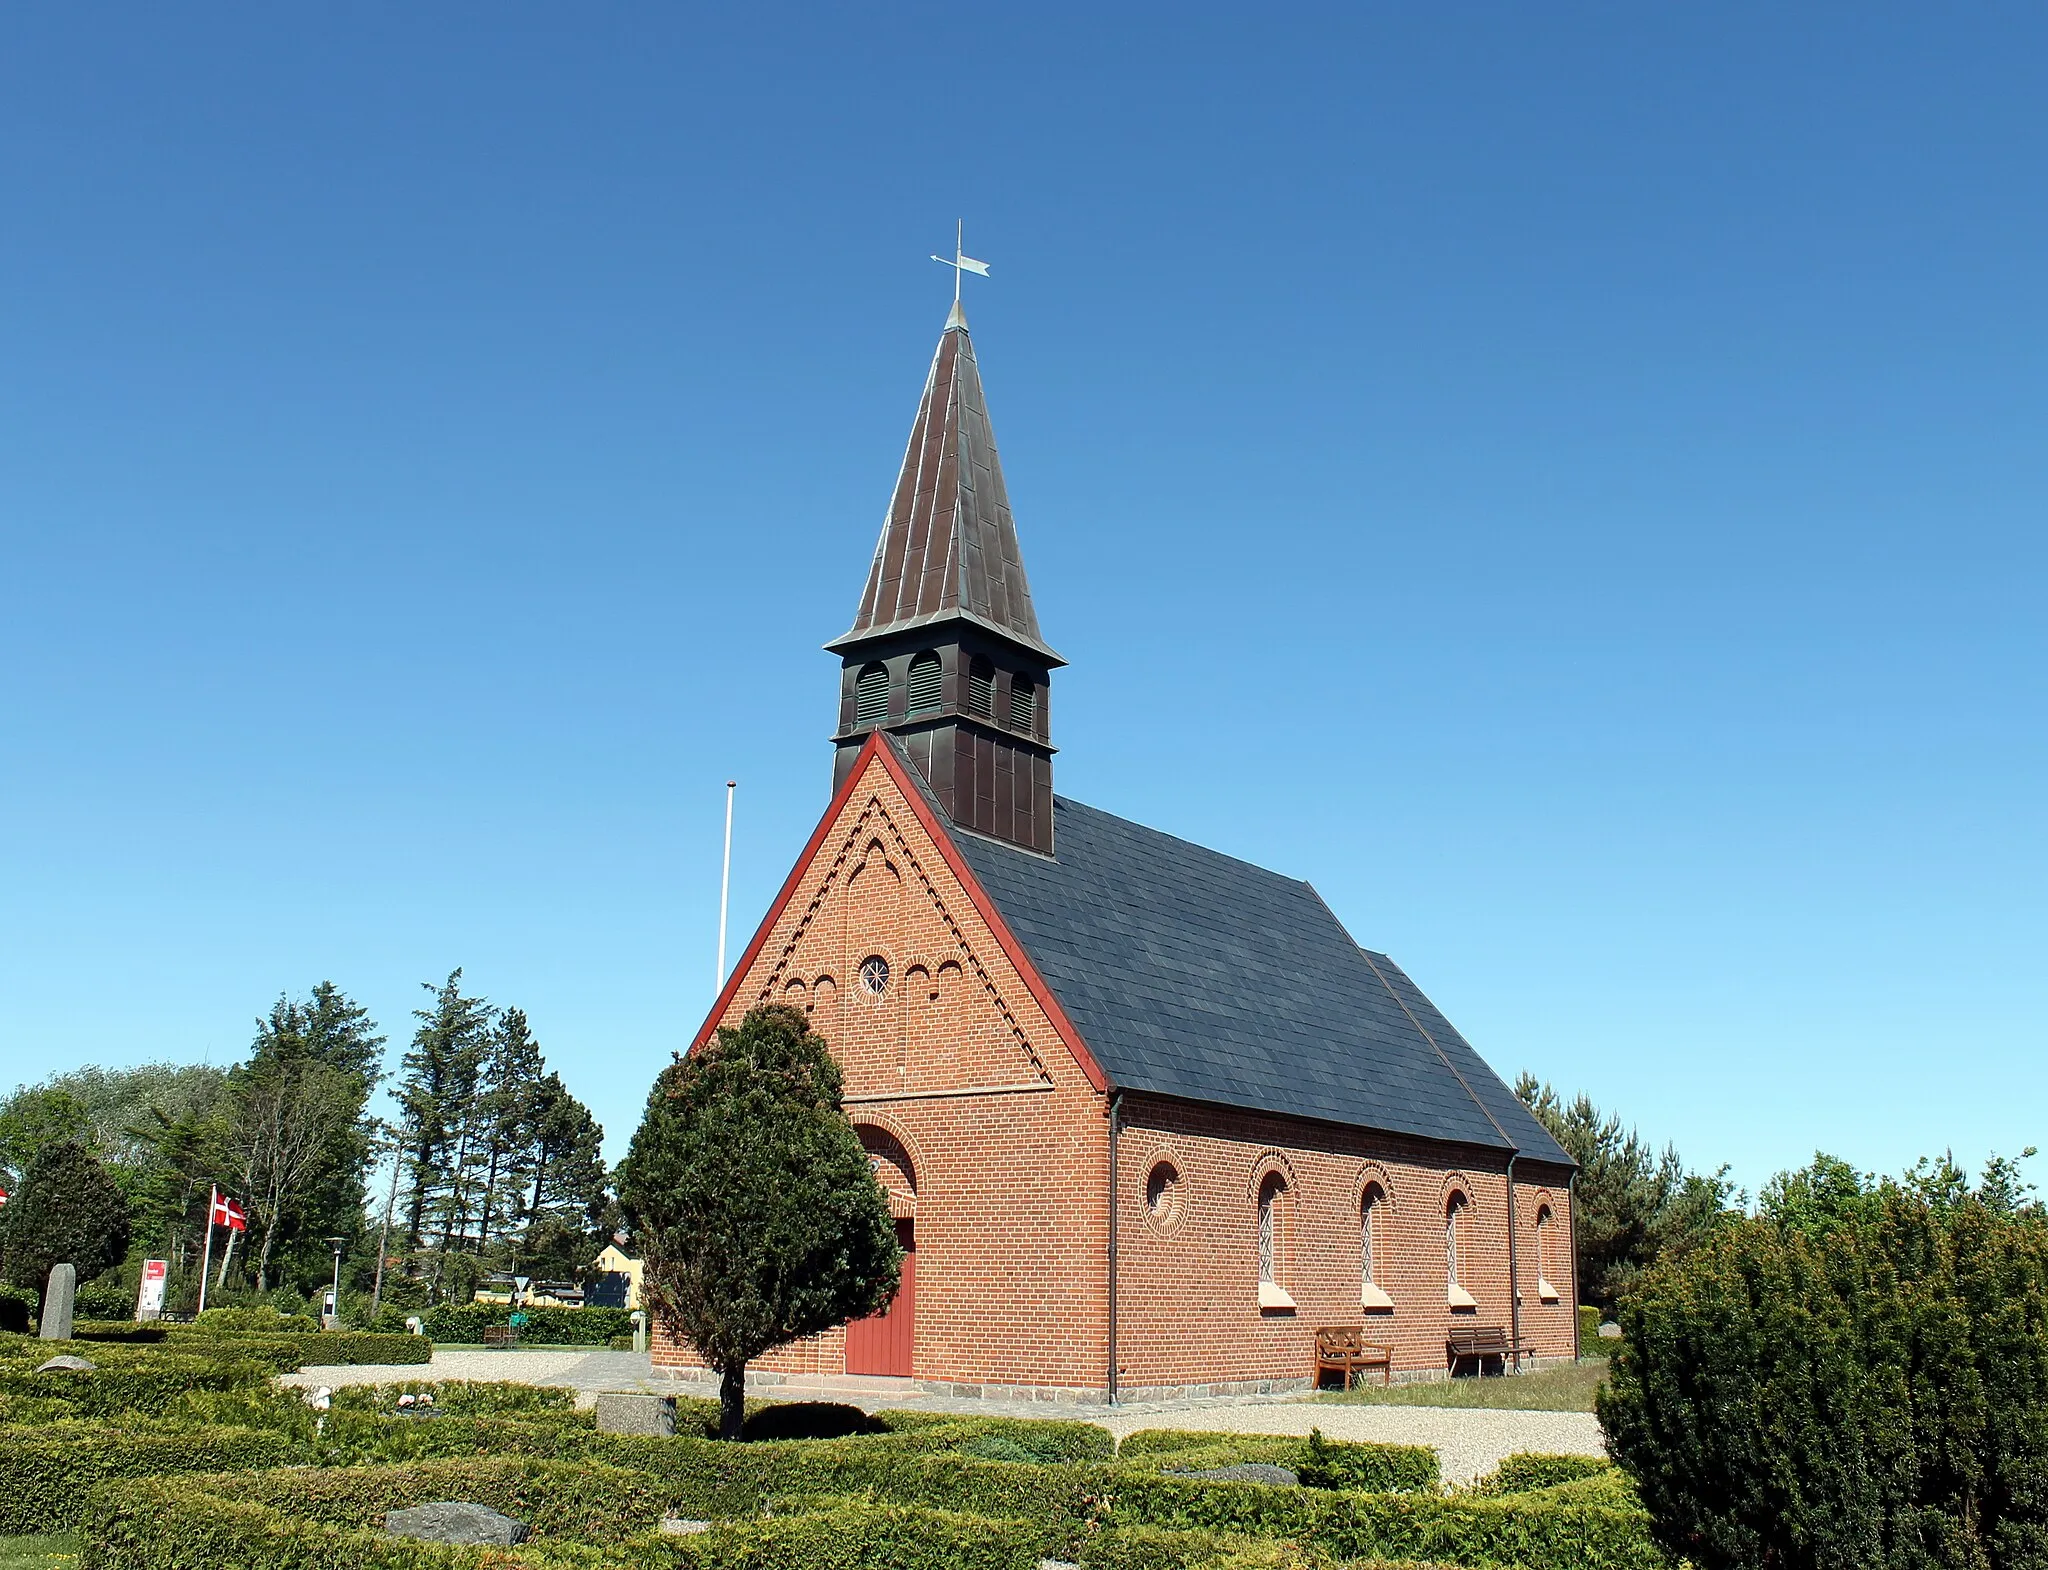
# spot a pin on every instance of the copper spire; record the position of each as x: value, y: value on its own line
x: 949, y: 546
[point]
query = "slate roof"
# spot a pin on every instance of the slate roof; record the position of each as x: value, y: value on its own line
x: 949, y: 545
x: 1192, y: 974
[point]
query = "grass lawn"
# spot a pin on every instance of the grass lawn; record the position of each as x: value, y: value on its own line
x: 39, y: 1553
x: 1566, y: 1389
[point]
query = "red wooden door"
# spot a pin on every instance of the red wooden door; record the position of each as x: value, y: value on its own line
x: 880, y: 1344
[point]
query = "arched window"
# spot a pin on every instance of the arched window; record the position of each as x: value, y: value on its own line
x: 1023, y: 704
x: 1367, y: 1219
x: 981, y: 689
x: 927, y: 684
x: 1269, y: 1227
x: 871, y: 695
x: 1452, y: 1212
x: 1545, y: 1243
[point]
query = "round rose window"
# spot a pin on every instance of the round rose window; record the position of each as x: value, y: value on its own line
x: 874, y: 975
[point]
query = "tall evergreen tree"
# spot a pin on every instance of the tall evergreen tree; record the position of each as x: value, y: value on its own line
x: 506, y: 1109
x: 437, y: 1097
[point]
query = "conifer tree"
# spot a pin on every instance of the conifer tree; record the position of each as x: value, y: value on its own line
x: 758, y: 1217
x: 436, y: 1098
x: 68, y: 1211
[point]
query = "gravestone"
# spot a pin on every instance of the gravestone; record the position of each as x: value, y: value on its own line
x: 451, y: 1521
x: 57, y: 1303
x: 644, y: 1415
x: 1609, y: 1331
x: 67, y: 1365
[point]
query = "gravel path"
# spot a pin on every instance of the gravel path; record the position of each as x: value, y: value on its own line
x: 1469, y: 1441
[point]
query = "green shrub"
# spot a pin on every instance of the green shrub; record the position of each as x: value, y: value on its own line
x: 1320, y: 1462
x: 301, y: 1520
x: 460, y: 1397
x: 1528, y: 1471
x: 126, y: 1330
x: 1590, y: 1344
x: 1873, y: 1390
x: 262, y: 1320
x: 1038, y: 1439
x: 1150, y: 1441
x: 467, y: 1322
x: 1156, y: 1548
x: 46, y: 1472
x: 1379, y: 1469
x: 149, y: 1385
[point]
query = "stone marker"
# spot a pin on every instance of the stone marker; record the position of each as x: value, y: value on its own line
x: 642, y: 1415
x: 675, y: 1526
x: 57, y: 1302
x: 1247, y: 1472
x: 450, y: 1521
x: 1610, y: 1331
x: 67, y: 1365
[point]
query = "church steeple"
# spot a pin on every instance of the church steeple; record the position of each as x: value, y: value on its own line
x: 945, y: 651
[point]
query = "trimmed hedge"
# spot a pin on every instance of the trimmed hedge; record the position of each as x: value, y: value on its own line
x: 543, y: 1327
x: 315, y: 1520
x: 1527, y: 1471
x: 46, y: 1472
x: 464, y: 1398
x: 151, y: 1386
x: 1590, y: 1344
x: 1155, y: 1548
x: 286, y: 1352
x: 1320, y: 1462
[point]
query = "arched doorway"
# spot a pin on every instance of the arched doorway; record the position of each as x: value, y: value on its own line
x: 884, y: 1343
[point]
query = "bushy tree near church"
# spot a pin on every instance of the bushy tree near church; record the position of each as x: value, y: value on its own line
x: 755, y: 1209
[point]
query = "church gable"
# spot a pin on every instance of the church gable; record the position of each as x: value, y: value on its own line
x: 881, y: 942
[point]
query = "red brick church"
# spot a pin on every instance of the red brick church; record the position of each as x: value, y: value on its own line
x: 1147, y: 1115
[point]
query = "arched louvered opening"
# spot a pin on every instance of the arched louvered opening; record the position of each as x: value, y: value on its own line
x: 981, y: 689
x: 927, y: 684
x: 871, y: 696
x: 1023, y: 704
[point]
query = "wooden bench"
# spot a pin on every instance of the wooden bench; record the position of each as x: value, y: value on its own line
x: 500, y: 1338
x: 1483, y: 1342
x: 1343, y: 1349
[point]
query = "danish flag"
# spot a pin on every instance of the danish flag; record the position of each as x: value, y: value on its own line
x: 226, y: 1213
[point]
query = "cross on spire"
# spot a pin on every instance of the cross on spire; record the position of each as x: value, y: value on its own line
x: 960, y: 261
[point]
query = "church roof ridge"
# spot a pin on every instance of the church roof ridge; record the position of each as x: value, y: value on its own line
x: 949, y: 543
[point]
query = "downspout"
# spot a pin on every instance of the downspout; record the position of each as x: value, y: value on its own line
x: 1571, y: 1201
x: 1116, y: 1107
x: 1514, y: 1269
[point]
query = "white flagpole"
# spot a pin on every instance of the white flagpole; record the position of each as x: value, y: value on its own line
x: 725, y: 881
x: 206, y: 1263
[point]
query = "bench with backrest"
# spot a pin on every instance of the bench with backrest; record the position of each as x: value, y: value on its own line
x: 1485, y: 1341
x: 1343, y: 1349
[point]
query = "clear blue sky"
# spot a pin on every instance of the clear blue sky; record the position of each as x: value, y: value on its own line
x: 1567, y: 480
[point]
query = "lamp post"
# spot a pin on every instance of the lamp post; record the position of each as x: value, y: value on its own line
x: 334, y: 1300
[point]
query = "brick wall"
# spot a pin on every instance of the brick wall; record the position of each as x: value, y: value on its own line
x: 988, y: 1133
x: 1188, y: 1270
x: 956, y: 1073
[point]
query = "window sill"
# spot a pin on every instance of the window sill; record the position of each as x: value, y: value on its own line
x: 1460, y: 1298
x: 1373, y: 1295
x: 1273, y: 1299
x: 1545, y: 1290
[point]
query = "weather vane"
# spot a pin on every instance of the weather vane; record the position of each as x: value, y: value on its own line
x: 960, y: 261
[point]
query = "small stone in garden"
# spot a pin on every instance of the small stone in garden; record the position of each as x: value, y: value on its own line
x: 451, y: 1521
x: 643, y: 1415
x: 67, y: 1365
x: 57, y: 1302
x: 676, y: 1526
x: 1057, y: 1564
x: 1609, y: 1331
x: 1248, y: 1472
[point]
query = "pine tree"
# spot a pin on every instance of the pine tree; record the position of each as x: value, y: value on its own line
x: 69, y: 1211
x: 437, y: 1100
x: 506, y: 1109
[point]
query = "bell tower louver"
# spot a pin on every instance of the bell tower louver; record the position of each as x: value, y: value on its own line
x: 945, y: 653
